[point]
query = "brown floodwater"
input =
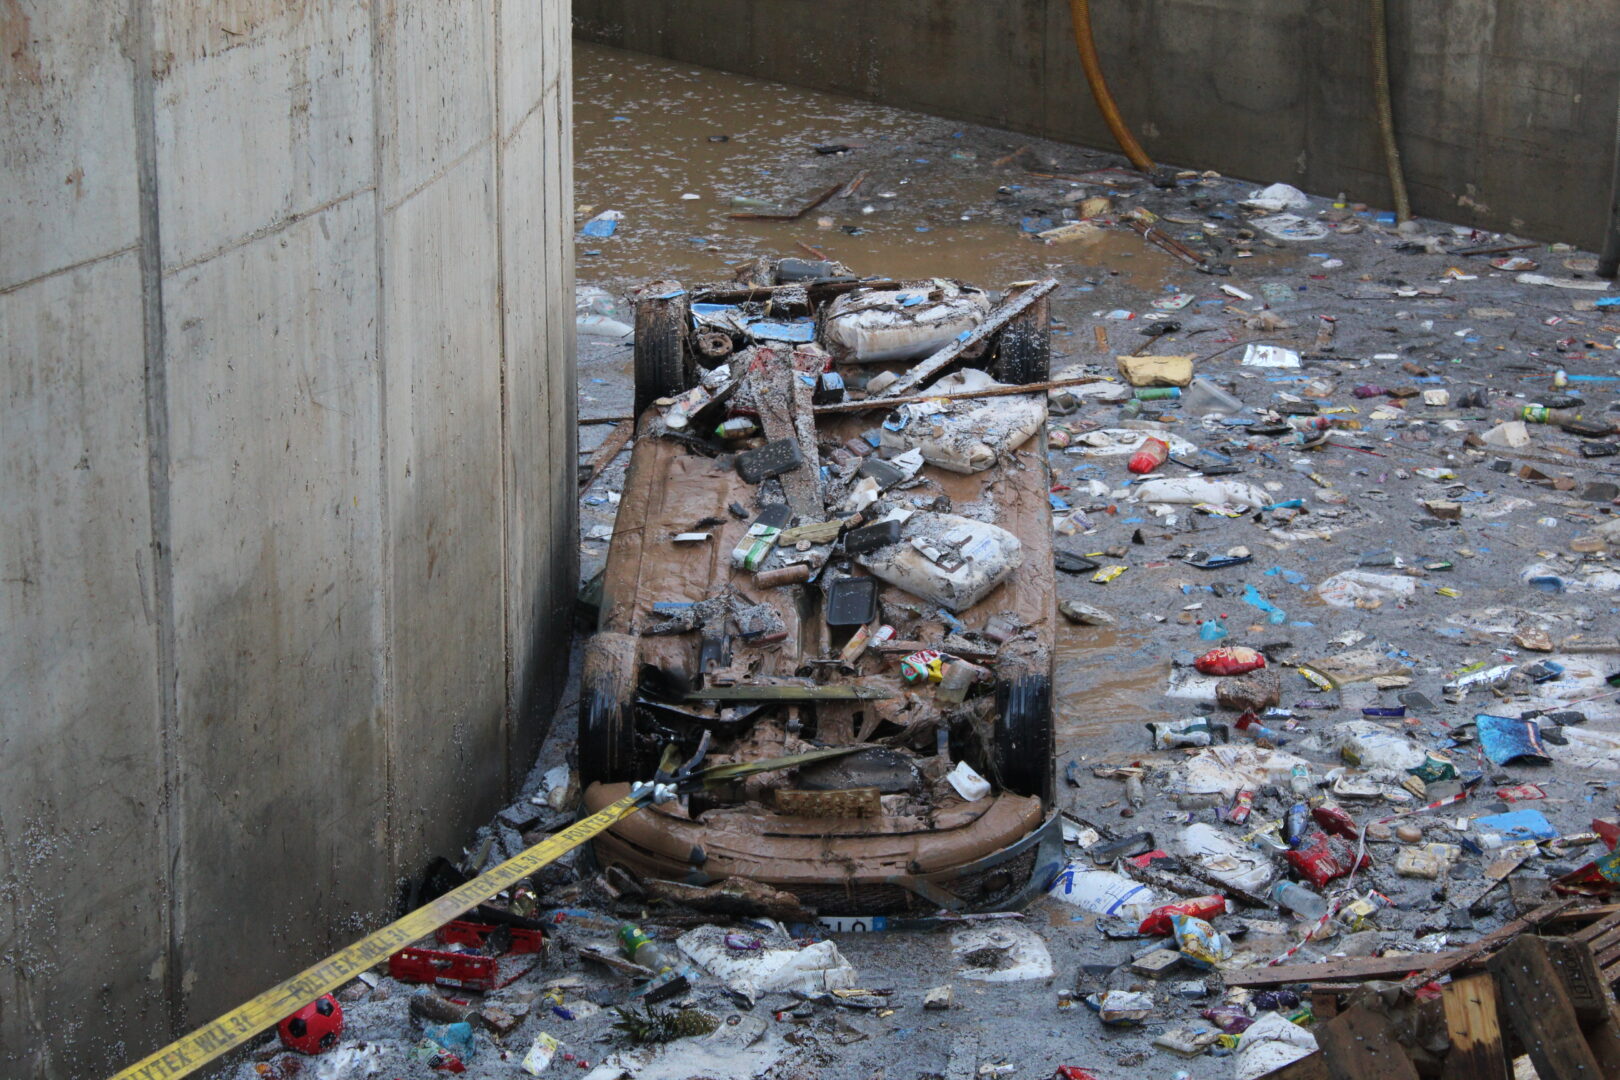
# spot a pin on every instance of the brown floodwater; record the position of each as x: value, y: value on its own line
x: 647, y: 132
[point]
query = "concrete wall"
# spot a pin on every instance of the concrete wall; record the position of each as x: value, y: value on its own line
x: 286, y: 513
x: 1506, y: 110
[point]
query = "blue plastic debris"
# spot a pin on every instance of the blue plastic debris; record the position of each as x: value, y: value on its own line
x: 1506, y: 739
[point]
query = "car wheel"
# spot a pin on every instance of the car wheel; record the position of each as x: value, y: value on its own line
x: 1022, y: 747
x: 663, y: 366
x: 1024, y: 352
x: 607, y: 706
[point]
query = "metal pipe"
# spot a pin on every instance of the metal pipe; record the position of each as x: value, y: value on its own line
x: 1080, y: 15
x: 1386, y: 109
x: 1609, y: 262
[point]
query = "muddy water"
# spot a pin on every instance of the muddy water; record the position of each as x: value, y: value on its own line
x: 648, y: 132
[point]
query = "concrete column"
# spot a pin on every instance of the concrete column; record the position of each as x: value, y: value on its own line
x: 286, y: 454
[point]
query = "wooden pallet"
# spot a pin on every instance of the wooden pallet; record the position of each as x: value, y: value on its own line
x: 1551, y: 998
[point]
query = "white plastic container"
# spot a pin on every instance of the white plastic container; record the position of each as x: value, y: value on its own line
x: 952, y: 561
x: 901, y: 324
x: 967, y: 782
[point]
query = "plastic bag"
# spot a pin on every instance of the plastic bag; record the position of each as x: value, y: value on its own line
x: 1269, y: 1043
x: 1201, y: 907
x: 1226, y: 858
x: 1230, y: 660
x: 966, y: 436
x: 952, y: 561
x: 1191, y: 490
x: 1201, y: 944
x: 1105, y: 892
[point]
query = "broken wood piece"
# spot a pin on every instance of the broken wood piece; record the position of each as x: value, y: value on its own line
x: 787, y: 215
x: 1312, y: 1066
x: 1538, y: 1007
x: 965, y: 395
x: 1359, y: 1044
x: 830, y: 692
x: 817, y: 532
x: 611, y: 447
x: 852, y: 187
x: 1477, y: 1052
x: 930, y: 366
x: 1351, y: 969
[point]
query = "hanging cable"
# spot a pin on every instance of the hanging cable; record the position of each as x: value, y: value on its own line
x: 1386, y: 109
x: 1080, y: 15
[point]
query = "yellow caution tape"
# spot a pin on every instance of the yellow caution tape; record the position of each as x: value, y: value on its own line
x: 186, y: 1055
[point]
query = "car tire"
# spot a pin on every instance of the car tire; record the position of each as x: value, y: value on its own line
x: 1024, y: 349
x: 1022, y: 749
x: 607, y: 703
x: 663, y: 364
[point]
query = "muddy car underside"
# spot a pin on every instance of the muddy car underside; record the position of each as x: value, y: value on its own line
x: 753, y: 607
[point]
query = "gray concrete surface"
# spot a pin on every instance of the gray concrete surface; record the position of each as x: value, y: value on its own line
x: 1505, y: 110
x: 286, y: 529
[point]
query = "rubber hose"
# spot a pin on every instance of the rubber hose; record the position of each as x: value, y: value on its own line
x: 1609, y: 263
x: 1080, y: 15
x: 1386, y: 109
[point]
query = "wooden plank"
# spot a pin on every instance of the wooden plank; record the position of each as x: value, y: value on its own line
x: 1352, y: 969
x: 1538, y: 1007
x: 829, y: 692
x: 1467, y: 953
x: 779, y: 414
x: 1592, y: 931
x: 966, y: 395
x: 1309, y: 1067
x: 1361, y: 1045
x: 1578, y: 970
x: 611, y: 447
x: 1476, y: 1051
x: 930, y: 366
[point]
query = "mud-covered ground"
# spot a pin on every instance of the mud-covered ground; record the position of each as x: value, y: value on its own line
x: 1448, y: 523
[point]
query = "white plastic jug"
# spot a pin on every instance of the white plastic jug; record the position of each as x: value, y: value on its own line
x: 1105, y: 892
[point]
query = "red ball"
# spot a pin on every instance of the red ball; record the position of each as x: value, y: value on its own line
x: 315, y: 1028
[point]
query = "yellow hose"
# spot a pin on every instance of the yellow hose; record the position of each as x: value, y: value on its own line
x: 1386, y: 110
x: 1080, y: 14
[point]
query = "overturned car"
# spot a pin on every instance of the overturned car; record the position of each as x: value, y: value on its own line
x: 835, y: 531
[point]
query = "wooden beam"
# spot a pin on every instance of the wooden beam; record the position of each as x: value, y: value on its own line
x: 616, y: 441
x: 930, y: 366
x: 1476, y: 1052
x: 965, y: 395
x: 1352, y: 969
x: 1538, y: 1007
x: 1360, y: 1045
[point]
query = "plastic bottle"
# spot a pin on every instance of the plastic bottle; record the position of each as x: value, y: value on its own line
x: 1213, y: 629
x: 1300, y: 900
x: 644, y: 950
x: 1540, y: 414
x: 1203, y: 396
x: 1150, y: 456
x: 1158, y: 393
x: 1132, y: 409
x: 1300, y: 780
